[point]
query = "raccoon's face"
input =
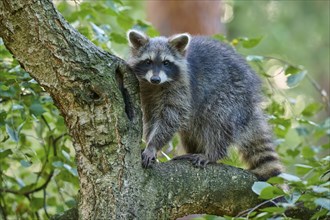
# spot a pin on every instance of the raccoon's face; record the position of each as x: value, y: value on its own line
x: 156, y: 68
x: 157, y: 60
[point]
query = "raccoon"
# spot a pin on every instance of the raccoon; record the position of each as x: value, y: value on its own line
x: 202, y: 89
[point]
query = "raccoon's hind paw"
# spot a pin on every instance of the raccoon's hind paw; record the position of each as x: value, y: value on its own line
x: 148, y: 157
x: 198, y: 160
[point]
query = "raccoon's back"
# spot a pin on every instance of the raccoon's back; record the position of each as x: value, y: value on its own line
x: 218, y: 72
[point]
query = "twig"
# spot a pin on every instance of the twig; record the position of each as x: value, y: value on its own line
x: 3, y: 214
x: 323, y: 93
x: 249, y: 211
x: 17, y: 192
x: 36, y: 212
x: 46, y: 122
x: 45, y: 205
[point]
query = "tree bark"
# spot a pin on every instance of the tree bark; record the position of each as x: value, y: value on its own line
x: 98, y: 97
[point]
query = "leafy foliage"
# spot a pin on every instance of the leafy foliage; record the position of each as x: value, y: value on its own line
x: 33, y: 139
x: 105, y: 23
x: 38, y: 177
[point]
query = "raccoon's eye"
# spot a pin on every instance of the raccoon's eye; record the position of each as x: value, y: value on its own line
x: 148, y: 61
x: 166, y: 62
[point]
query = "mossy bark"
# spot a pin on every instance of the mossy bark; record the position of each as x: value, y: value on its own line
x: 98, y: 97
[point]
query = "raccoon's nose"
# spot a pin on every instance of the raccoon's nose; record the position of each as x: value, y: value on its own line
x: 155, y: 79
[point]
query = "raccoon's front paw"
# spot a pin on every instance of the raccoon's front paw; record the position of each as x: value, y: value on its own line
x: 148, y: 157
x: 198, y: 160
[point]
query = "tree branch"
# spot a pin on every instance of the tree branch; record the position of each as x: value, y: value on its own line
x: 217, y: 189
x: 26, y: 193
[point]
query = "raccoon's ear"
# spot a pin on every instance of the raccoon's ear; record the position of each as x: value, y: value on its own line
x: 137, y: 39
x: 180, y: 42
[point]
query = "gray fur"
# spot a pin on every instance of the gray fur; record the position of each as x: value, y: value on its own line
x: 211, y: 97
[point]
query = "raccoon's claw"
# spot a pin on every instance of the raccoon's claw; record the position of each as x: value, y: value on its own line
x: 198, y: 160
x: 148, y: 157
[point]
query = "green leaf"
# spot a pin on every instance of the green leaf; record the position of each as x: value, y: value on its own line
x: 4, y: 87
x: 303, y: 166
x: 302, y: 131
x: 259, y: 186
x: 312, y: 109
x: 66, y: 155
x: 118, y: 2
x: 3, y: 116
x: 290, y: 177
x: 302, y: 169
x: 293, y: 198
x: 321, y: 213
x: 86, y: 31
x: 323, y: 202
x: 294, y: 80
x: 36, y: 203
x: 37, y: 109
x: 267, y: 193
x: 307, y: 152
x: 22, y: 184
x: 262, y: 215
x: 124, y: 21
x: 219, y: 37
x: 11, y: 92
x: 254, y: 58
x: 25, y: 163
x: 274, y: 209
x: 60, y: 208
x: 71, y: 203
x: 20, y: 127
x: 320, y: 189
x: 73, y: 171
x: 17, y: 107
x: 271, y: 192
x: 291, y: 70
x: 250, y: 42
x: 210, y: 217
x: 98, y: 31
x: 5, y: 153
x: 275, y: 180
x: 326, y: 158
x: 52, y: 201
x: 293, y: 152
x: 12, y: 133
x: 57, y: 164
x: 120, y: 39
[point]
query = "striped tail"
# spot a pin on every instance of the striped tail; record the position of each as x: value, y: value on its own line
x: 265, y: 164
x: 261, y: 158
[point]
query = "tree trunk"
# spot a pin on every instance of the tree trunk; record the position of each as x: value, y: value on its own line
x: 98, y: 97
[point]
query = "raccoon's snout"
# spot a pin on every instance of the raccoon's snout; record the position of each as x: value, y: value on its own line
x: 155, y: 79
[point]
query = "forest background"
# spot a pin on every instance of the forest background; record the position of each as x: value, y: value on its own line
x: 287, y: 42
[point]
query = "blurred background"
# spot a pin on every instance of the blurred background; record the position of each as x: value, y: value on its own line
x: 296, y: 31
x: 286, y: 42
